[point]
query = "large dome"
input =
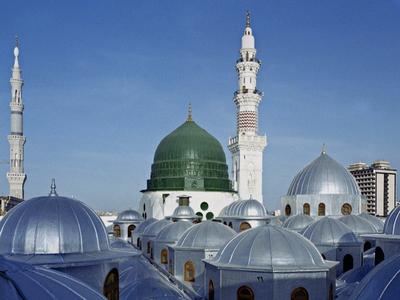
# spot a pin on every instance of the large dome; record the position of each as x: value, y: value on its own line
x: 324, y: 176
x: 52, y: 225
x: 189, y: 158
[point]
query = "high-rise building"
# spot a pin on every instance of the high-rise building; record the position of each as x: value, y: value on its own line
x: 247, y: 146
x: 16, y: 176
x: 377, y: 183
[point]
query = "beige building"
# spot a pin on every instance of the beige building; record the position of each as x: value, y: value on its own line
x: 377, y: 183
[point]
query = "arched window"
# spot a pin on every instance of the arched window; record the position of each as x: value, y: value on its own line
x: 321, y: 209
x: 379, y: 255
x: 117, y: 231
x: 210, y: 290
x: 244, y: 226
x: 189, y: 271
x: 230, y: 224
x: 164, y: 256
x: 245, y: 293
x: 288, y: 210
x: 367, y: 245
x: 347, y: 262
x: 299, y: 293
x: 111, y: 285
x: 148, y: 247
x: 306, y: 208
x: 225, y: 223
x: 131, y: 228
x: 346, y: 209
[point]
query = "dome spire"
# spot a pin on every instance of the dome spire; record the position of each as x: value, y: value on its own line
x: 189, y: 118
x: 247, y: 19
x: 323, y: 151
x: 16, y: 53
x: 53, y: 191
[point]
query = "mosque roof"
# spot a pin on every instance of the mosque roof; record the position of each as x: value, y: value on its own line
x: 172, y: 232
x: 184, y: 212
x: 392, y: 222
x: 189, y: 158
x: 358, y: 224
x: 328, y: 231
x: 298, y: 222
x: 154, y: 228
x: 382, y: 282
x: 245, y: 209
x: 20, y: 280
x: 206, y: 235
x: 376, y: 222
x: 128, y: 216
x: 324, y: 176
x: 270, y: 248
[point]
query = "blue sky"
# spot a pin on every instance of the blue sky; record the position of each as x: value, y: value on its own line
x: 106, y: 80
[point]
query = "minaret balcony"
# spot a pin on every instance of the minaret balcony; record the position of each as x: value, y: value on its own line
x: 256, y: 60
x: 248, y: 91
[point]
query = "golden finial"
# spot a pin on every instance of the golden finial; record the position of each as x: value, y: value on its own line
x: 189, y: 118
x: 247, y: 19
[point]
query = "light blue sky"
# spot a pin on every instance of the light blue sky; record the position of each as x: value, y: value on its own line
x: 106, y: 80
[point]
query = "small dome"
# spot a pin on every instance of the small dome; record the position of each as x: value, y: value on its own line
x: 298, y: 222
x: 246, y: 209
x: 358, y: 225
x: 52, y: 225
x: 324, y: 176
x: 172, y: 232
x: 270, y: 247
x: 128, y: 216
x: 154, y: 228
x: 23, y: 281
x: 392, y: 223
x: 207, y: 234
x: 382, y: 282
x: 222, y: 213
x: 151, y: 288
x: 184, y: 212
x: 330, y: 232
x: 142, y: 227
x: 378, y: 223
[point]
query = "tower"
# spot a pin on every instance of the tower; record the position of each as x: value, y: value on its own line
x: 16, y: 176
x: 247, y: 147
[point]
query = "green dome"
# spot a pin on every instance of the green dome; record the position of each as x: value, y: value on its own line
x: 189, y: 158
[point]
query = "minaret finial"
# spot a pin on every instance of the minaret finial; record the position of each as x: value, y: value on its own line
x: 189, y: 118
x: 16, y: 52
x: 247, y: 19
x: 323, y: 151
x: 16, y: 41
x: 53, y: 191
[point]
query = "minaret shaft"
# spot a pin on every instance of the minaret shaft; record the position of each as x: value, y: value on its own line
x: 16, y: 176
x: 247, y: 147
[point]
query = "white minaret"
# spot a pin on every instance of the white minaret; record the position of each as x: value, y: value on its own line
x: 16, y: 177
x: 247, y: 147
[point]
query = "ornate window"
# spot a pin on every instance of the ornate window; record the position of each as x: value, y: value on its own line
x: 164, y: 256
x: 131, y: 228
x: 245, y: 293
x: 210, y: 290
x: 306, y: 208
x: 347, y: 262
x: 299, y: 293
x: 288, y: 210
x: 189, y: 271
x: 346, y: 209
x: 321, y: 209
x: 111, y: 285
x: 244, y: 226
x: 117, y: 231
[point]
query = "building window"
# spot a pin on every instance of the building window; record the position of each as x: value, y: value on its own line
x: 210, y: 216
x: 148, y: 247
x: 230, y: 225
x: 245, y: 293
x: 138, y: 243
x: 189, y: 271
x: 204, y: 205
x: 244, y: 226
x: 367, y: 245
x: 347, y: 262
x: 299, y: 293
x: 306, y: 208
x: 321, y: 209
x: 131, y: 228
x: 346, y: 209
x: 199, y: 214
x: 117, y: 231
x: 288, y: 210
x: 210, y: 290
x: 379, y: 255
x: 164, y: 256
x: 111, y: 285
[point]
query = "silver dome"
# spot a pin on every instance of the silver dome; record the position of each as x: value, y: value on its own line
x: 172, y: 232
x: 330, y: 232
x: 244, y: 209
x: 142, y: 227
x: 392, y: 222
x: 52, y: 225
x: 324, y: 176
x: 206, y: 235
x: 128, y: 216
x: 268, y: 248
x: 358, y: 225
x: 154, y: 228
x: 378, y: 223
x: 298, y: 222
x: 184, y: 212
